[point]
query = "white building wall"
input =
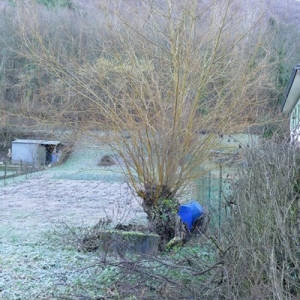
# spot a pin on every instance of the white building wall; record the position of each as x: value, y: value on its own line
x: 27, y: 153
x: 295, y: 123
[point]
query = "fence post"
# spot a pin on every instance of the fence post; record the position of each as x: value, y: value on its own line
x: 209, y: 190
x: 20, y: 167
x: 220, y: 198
x: 5, y: 169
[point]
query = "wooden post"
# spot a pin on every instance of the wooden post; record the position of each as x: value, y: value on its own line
x: 20, y: 167
x: 5, y: 169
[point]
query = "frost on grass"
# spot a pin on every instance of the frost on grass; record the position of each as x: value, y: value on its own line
x: 36, y: 270
x: 36, y: 265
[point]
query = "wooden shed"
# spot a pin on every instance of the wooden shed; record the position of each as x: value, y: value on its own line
x: 35, y: 152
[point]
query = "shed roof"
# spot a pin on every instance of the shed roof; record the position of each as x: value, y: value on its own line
x: 39, y: 142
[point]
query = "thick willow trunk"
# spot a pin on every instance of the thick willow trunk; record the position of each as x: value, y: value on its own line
x: 163, y: 216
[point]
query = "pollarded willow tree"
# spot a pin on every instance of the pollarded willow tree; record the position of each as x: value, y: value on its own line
x: 162, y: 77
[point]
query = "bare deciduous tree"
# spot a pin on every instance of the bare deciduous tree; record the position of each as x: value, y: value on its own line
x: 155, y: 77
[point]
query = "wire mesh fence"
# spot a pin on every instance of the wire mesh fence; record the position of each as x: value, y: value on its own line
x: 212, y: 191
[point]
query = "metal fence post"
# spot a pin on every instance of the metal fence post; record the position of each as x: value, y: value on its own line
x: 220, y: 198
x: 209, y: 190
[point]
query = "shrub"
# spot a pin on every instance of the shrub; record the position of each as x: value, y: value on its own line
x: 263, y: 260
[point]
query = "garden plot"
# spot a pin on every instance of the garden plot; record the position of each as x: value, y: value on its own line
x: 78, y: 193
x: 34, y: 262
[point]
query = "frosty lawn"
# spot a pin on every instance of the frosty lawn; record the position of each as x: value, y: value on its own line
x: 34, y: 263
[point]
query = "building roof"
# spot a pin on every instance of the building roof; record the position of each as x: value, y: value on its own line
x: 39, y: 142
x: 292, y: 92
